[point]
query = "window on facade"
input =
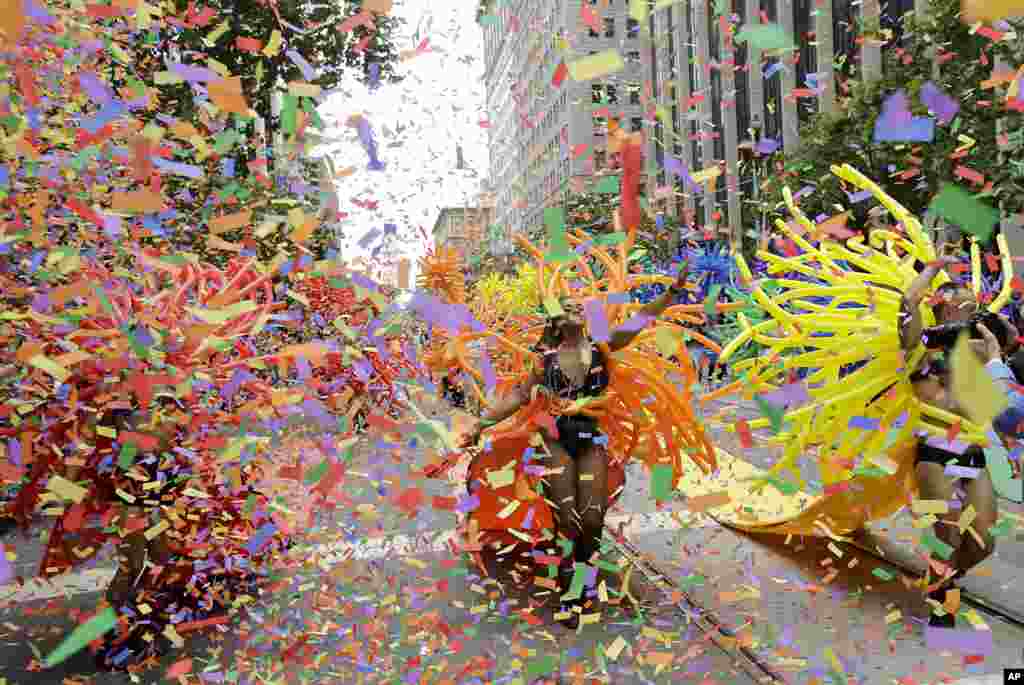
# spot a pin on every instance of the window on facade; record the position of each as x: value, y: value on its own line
x: 634, y: 93
x: 636, y: 123
x: 609, y: 27
x: 632, y: 28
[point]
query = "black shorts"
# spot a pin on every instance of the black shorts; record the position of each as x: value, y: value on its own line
x: 972, y: 458
x: 576, y: 434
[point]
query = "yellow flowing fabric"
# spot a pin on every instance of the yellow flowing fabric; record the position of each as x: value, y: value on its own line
x: 865, y: 455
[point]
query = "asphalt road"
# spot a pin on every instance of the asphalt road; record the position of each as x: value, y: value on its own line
x: 377, y: 597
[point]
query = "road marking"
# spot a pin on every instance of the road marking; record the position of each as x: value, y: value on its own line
x: 96, y: 579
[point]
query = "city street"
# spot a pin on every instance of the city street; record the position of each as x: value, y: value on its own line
x: 781, y: 613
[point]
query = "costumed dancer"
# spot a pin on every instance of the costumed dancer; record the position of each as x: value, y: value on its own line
x: 880, y: 411
x: 568, y: 420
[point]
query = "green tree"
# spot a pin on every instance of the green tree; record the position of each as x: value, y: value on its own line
x: 913, y: 172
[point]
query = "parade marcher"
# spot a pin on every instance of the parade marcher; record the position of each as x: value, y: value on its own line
x: 931, y: 384
x: 573, y: 368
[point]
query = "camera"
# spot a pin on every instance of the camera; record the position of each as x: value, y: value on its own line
x: 944, y: 336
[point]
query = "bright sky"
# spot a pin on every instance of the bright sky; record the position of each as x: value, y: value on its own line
x: 417, y: 125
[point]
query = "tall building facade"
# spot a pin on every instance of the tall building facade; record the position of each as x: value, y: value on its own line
x: 546, y: 129
x: 722, y: 103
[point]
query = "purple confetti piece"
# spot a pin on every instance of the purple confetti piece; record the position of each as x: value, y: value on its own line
x: 260, y: 538
x: 865, y: 423
x: 374, y: 76
x: 178, y: 168
x: 6, y: 570
x: 917, y: 130
x: 963, y: 641
x: 944, y: 106
x: 635, y: 323
x: 954, y: 446
x: 597, y: 321
x: 308, y: 72
x: 789, y: 396
x: 528, y: 519
x: 110, y: 111
x: 767, y: 146
x: 772, y: 69
x: 618, y: 298
x: 467, y: 504
x: 859, y: 196
x: 804, y: 191
x: 487, y: 369
x: 368, y: 239
x: 94, y: 88
x: 962, y: 471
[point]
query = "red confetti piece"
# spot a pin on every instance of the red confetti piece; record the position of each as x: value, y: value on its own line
x: 743, y: 430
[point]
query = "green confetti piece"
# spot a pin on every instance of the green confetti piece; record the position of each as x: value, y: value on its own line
x: 488, y: 20
x: 127, y: 456
x: 712, y: 300
x: 1001, y: 529
x: 661, y: 482
x: 541, y: 666
x: 553, y: 307
x: 558, y: 243
x: 80, y: 637
x: 691, y: 581
x: 579, y: 578
x: 771, y: 412
x: 783, y: 486
x: 317, y: 473
x: 289, y: 114
x: 608, y: 185
x: 883, y: 574
x: 765, y: 37
x: 936, y: 546
x: 956, y: 205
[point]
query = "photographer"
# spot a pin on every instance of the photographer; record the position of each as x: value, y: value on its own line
x: 955, y: 310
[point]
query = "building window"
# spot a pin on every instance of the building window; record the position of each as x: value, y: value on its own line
x: 637, y: 123
x: 609, y: 27
x: 634, y: 93
x: 632, y: 28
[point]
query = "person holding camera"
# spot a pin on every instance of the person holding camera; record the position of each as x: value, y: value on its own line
x: 956, y: 310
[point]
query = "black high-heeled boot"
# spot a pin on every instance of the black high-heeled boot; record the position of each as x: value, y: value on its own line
x: 565, y: 575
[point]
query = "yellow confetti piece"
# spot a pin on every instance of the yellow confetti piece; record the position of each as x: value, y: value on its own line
x: 973, y: 388
x: 501, y: 479
x: 509, y: 509
x: 157, y: 530
x: 893, y: 616
x: 615, y: 648
x: 274, y: 45
x: 930, y: 506
x: 595, y: 66
x: 300, y: 89
x: 51, y: 367
x: 65, y: 489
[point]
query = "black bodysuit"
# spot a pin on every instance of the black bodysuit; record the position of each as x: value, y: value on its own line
x: 576, y: 433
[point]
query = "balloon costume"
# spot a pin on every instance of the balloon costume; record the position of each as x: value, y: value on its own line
x: 644, y: 409
x: 840, y: 331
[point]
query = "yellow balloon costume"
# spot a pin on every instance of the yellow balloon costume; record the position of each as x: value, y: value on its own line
x: 868, y: 471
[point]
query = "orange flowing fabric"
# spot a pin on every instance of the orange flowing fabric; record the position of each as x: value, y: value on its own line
x: 646, y: 413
